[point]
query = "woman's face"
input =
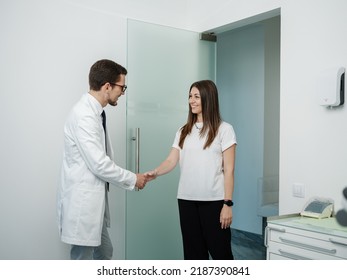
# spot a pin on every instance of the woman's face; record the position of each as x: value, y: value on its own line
x: 195, y: 101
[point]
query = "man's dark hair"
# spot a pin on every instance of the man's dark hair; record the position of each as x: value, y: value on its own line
x: 104, y: 71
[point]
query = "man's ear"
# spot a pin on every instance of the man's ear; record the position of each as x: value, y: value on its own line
x: 106, y: 86
x: 105, y: 89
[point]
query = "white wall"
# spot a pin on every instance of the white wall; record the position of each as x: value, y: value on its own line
x: 313, y: 139
x: 47, y: 48
x: 46, y: 51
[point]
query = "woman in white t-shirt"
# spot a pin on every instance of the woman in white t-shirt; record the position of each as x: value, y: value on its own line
x: 205, y: 149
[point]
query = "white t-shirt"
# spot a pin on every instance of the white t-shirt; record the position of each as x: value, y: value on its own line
x: 202, y: 175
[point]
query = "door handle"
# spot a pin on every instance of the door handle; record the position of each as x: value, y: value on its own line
x: 136, y: 138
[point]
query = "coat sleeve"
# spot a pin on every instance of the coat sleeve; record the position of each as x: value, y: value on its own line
x: 89, y: 138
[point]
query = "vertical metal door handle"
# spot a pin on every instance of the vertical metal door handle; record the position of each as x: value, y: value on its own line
x: 136, y: 138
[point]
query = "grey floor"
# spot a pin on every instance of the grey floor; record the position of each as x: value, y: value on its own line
x: 247, y: 246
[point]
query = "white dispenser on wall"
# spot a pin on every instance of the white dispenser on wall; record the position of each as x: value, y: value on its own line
x: 331, y: 87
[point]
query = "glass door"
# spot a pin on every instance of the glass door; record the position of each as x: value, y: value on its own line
x: 162, y: 63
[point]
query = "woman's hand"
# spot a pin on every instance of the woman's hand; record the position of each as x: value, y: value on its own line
x: 151, y: 175
x: 226, y: 216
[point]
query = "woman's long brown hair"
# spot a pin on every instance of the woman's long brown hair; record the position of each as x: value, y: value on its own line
x: 210, y: 113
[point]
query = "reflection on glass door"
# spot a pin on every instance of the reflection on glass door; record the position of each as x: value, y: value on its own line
x: 162, y: 63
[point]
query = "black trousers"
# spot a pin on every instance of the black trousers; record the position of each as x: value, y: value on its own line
x: 201, y: 231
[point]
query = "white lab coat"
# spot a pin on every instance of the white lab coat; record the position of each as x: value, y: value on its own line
x: 81, y: 195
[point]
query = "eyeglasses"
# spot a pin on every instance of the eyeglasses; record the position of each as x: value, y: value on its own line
x: 124, y: 87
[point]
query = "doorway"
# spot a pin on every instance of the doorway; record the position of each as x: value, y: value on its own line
x: 248, y: 78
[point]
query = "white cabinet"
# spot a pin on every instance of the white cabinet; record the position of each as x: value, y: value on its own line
x: 303, y: 238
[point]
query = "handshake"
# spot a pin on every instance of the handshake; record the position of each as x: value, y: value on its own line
x: 143, y: 178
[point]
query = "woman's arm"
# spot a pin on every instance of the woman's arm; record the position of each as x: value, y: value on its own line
x: 229, y: 167
x: 166, y: 166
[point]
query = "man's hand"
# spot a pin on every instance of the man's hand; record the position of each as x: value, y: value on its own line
x: 141, y: 180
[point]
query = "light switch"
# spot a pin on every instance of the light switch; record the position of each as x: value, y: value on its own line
x: 299, y: 190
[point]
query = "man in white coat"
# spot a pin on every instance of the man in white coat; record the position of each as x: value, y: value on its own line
x: 88, y: 167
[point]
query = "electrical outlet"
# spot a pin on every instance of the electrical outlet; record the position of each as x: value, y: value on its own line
x: 299, y: 190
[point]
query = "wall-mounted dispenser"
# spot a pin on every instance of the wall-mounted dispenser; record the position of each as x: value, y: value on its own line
x: 331, y: 87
